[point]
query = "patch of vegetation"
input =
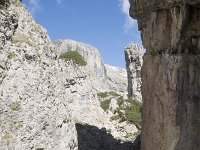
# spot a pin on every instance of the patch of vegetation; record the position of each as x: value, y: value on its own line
x: 16, y: 125
x: 107, y: 94
x: 133, y: 112
x: 16, y: 106
x: 75, y: 57
x: 115, y: 117
x: 105, y: 104
x: 7, y: 137
x: 16, y: 2
x: 37, y: 28
x: 120, y: 101
x: 19, y: 38
x: 11, y: 55
x: 19, y: 125
x: 114, y: 94
x: 129, y: 110
x: 103, y: 94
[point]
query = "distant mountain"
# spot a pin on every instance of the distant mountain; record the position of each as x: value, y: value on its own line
x: 104, y: 77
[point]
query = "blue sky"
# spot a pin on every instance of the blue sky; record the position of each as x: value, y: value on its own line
x: 104, y: 24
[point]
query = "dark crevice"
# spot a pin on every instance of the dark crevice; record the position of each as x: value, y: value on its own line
x: 93, y: 138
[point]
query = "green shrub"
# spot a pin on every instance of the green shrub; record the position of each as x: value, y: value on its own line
x: 7, y: 137
x: 105, y: 104
x: 120, y: 101
x: 115, y: 117
x: 75, y: 57
x: 16, y: 106
x: 107, y: 94
x: 133, y: 112
x: 129, y: 109
x: 37, y: 28
x: 103, y: 94
x: 114, y: 94
x: 20, y: 38
x: 132, y: 109
x: 11, y: 55
x: 14, y: 125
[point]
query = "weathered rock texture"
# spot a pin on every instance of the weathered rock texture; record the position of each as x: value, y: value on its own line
x: 171, y: 73
x: 42, y: 96
x: 134, y: 61
x: 104, y: 77
x: 91, y: 55
x: 117, y: 79
x: 34, y: 105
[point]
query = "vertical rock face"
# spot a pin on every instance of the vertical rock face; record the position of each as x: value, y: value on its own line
x: 104, y: 77
x: 170, y: 73
x: 90, y: 54
x: 134, y: 61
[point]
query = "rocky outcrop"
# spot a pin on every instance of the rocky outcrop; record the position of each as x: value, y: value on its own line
x: 134, y: 61
x: 34, y: 105
x: 116, y: 78
x: 170, y: 74
x: 103, y: 77
x: 91, y: 55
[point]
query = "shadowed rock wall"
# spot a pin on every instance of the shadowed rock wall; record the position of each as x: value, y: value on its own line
x: 170, y: 73
x: 93, y: 138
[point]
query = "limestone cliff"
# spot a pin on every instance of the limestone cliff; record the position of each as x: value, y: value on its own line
x: 90, y: 53
x: 42, y: 97
x: 170, y: 74
x: 104, y: 77
x: 134, y: 61
x: 34, y: 105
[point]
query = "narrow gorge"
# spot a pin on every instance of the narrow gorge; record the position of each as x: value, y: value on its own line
x: 61, y: 96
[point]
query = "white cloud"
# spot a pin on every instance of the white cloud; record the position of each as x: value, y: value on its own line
x: 34, y: 6
x: 59, y: 2
x: 124, y: 4
x: 129, y: 22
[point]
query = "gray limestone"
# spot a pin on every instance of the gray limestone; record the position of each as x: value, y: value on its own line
x: 134, y: 61
x: 170, y: 73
